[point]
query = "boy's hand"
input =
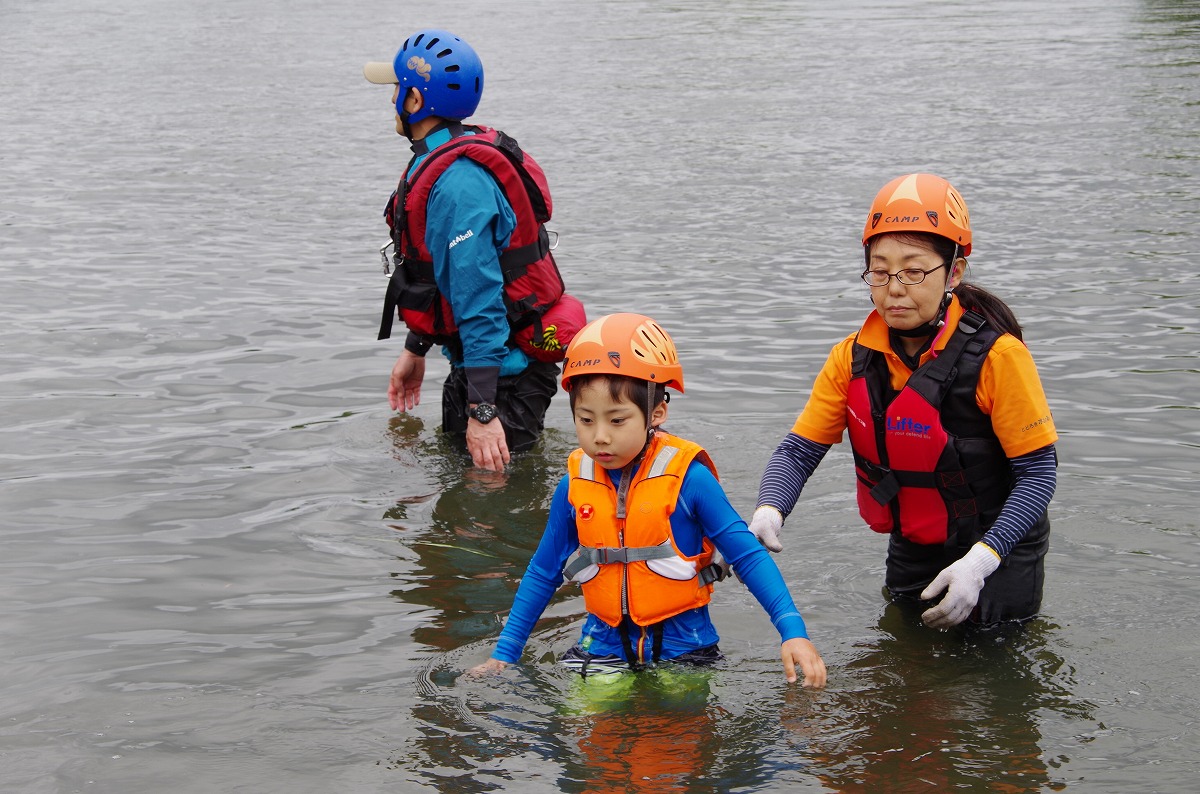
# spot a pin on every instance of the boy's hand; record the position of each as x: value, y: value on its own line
x: 490, y: 667
x: 802, y: 652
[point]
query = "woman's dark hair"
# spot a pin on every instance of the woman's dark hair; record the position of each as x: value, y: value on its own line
x: 620, y: 387
x: 994, y: 310
x: 973, y: 298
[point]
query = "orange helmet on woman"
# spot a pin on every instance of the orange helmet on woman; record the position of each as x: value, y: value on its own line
x: 920, y: 203
x: 632, y: 345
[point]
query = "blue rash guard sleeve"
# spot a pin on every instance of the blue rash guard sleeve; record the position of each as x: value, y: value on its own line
x: 542, y: 577
x: 704, y: 498
x: 1036, y: 480
x: 790, y: 466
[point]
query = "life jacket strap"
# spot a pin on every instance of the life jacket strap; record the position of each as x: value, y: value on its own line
x: 981, y: 478
x: 887, y: 489
x: 515, y: 261
x: 942, y: 368
x: 715, y: 571
x: 391, y: 299
x: 609, y: 555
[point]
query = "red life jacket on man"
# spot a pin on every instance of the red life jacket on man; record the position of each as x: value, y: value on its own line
x: 541, y: 317
x: 928, y: 462
x: 627, y: 562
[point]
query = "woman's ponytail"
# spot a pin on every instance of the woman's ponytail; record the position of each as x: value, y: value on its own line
x: 994, y: 310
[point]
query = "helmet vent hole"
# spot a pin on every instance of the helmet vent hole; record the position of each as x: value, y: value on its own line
x: 453, y: 86
x: 452, y: 67
x: 432, y: 43
x: 444, y: 53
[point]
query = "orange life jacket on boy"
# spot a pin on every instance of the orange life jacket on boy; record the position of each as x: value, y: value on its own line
x: 627, y: 561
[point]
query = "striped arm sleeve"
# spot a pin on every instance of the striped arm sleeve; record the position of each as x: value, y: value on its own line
x: 792, y: 463
x: 1036, y: 479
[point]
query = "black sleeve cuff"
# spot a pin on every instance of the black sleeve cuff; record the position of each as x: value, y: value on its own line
x: 416, y: 345
x: 481, y: 384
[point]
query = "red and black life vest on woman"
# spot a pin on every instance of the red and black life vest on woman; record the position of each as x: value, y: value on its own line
x: 542, y: 319
x: 929, y: 464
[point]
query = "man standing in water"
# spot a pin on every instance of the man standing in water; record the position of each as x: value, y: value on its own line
x: 474, y: 271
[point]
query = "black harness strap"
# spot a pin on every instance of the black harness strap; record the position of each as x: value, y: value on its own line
x: 391, y: 299
x: 630, y: 655
x: 656, y: 645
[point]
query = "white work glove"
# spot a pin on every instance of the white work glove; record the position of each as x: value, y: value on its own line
x: 765, y: 524
x: 964, y: 579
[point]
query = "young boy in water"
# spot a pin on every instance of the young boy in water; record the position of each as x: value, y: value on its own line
x: 637, y: 521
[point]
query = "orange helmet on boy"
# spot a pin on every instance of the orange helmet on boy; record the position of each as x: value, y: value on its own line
x: 920, y: 203
x: 626, y: 344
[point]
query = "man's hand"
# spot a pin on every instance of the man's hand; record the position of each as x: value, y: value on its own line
x: 487, y: 445
x: 404, y: 388
x: 799, y: 651
x: 964, y: 579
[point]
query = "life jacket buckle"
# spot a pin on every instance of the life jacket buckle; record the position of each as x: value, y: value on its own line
x: 609, y: 555
x: 886, y: 489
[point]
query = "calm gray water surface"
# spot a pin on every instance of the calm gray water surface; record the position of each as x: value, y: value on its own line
x: 228, y: 567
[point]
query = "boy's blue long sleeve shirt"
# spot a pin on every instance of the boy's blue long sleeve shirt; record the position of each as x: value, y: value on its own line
x: 702, y: 510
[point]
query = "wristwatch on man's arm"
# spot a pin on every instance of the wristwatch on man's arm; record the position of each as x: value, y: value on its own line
x: 482, y: 384
x: 482, y: 413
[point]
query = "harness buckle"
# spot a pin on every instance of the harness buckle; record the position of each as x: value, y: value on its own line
x: 387, y: 259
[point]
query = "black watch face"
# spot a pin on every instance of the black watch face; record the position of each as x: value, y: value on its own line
x: 484, y: 412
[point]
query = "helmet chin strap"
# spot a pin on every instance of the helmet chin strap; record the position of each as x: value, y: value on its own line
x: 940, y: 319
x: 649, y: 417
x: 404, y: 114
x: 650, y: 428
x: 632, y: 466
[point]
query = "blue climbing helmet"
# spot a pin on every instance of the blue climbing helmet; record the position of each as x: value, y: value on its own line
x: 443, y: 67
